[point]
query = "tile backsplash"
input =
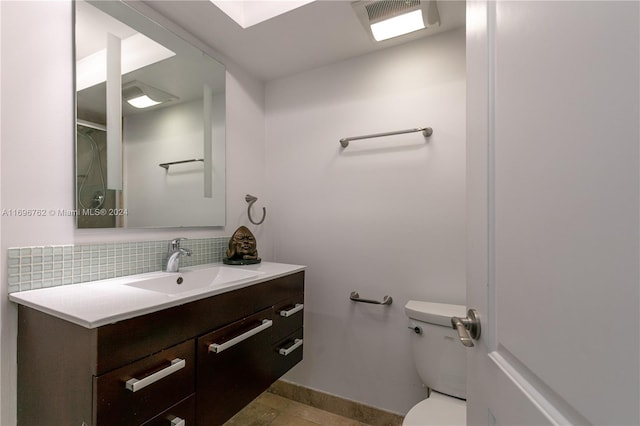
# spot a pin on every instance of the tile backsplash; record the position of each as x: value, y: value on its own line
x: 49, y: 266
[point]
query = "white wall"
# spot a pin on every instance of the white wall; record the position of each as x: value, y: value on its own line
x: 157, y: 197
x: 37, y: 152
x: 384, y: 216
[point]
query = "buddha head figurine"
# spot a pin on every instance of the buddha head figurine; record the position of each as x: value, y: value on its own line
x: 242, y: 245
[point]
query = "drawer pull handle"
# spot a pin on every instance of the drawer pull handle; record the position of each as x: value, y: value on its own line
x: 219, y: 347
x: 297, y: 308
x: 296, y: 344
x: 177, y: 421
x: 134, y: 385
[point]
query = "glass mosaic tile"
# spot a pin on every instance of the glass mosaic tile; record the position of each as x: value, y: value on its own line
x: 49, y: 266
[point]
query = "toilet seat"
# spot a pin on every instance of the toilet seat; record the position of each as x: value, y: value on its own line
x: 437, y: 410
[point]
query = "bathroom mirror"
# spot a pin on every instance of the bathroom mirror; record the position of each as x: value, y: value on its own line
x: 150, y: 124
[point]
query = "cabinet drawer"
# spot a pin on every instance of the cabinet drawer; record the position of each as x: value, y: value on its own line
x: 288, y: 316
x: 233, y: 367
x: 139, y: 391
x: 132, y: 339
x: 181, y: 414
x: 286, y: 353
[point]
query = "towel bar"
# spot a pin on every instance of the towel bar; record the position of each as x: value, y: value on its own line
x: 166, y: 165
x: 426, y: 132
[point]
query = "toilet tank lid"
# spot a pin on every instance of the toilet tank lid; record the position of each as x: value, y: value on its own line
x: 434, y: 313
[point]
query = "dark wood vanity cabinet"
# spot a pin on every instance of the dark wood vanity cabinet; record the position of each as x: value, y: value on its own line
x: 231, y: 376
x: 170, y: 379
x: 236, y: 363
x: 193, y: 364
x: 286, y: 348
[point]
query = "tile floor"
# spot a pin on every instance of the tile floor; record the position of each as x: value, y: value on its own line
x: 365, y: 414
x: 274, y: 410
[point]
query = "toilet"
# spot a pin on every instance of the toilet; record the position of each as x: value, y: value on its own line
x: 441, y: 362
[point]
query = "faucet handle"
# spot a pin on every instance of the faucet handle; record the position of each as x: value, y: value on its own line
x: 175, y: 243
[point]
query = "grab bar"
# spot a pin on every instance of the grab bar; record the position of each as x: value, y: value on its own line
x: 166, y: 165
x: 426, y: 132
x: 387, y: 300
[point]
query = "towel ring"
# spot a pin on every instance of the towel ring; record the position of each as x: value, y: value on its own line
x: 251, y: 199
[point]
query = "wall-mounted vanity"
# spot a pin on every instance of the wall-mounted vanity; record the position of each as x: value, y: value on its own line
x: 150, y: 139
x: 133, y: 351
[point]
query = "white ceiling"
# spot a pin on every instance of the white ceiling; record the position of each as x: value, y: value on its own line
x: 316, y: 34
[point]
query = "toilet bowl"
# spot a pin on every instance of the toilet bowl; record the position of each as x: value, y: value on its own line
x: 437, y: 410
x: 440, y: 360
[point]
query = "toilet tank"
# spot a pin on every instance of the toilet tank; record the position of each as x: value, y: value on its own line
x: 438, y: 355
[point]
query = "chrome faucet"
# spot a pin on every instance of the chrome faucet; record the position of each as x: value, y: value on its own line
x: 174, y: 253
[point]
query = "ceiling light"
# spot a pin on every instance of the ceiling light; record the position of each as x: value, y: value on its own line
x: 142, y: 102
x: 398, y: 25
x: 385, y: 19
x: 141, y: 95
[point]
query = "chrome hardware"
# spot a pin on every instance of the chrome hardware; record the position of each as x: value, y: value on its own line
x: 98, y: 200
x: 172, y: 163
x: 426, y: 132
x: 219, y: 347
x: 286, y: 351
x: 468, y: 328
x: 176, y: 421
x: 175, y: 243
x: 387, y: 300
x: 251, y: 199
x: 174, y: 253
x: 135, y: 385
x: 297, y: 308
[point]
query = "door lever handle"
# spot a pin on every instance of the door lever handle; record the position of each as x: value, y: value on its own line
x: 468, y: 328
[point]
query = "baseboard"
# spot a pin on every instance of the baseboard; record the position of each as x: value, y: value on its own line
x: 335, y: 404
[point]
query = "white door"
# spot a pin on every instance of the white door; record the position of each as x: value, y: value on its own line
x: 554, y: 190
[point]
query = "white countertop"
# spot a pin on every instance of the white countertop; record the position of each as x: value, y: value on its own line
x: 97, y: 303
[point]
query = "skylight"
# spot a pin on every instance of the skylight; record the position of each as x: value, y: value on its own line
x: 247, y: 13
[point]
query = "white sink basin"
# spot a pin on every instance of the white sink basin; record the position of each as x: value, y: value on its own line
x: 193, y: 280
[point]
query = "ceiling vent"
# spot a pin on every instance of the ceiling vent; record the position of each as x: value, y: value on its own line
x: 384, y: 19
